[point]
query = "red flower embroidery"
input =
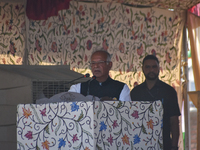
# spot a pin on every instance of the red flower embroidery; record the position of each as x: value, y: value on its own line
x: 140, y: 50
x: 74, y: 44
x: 75, y: 138
x: 105, y: 44
x: 168, y: 58
x: 54, y: 47
x: 89, y: 44
x: 29, y: 135
x: 135, y: 114
x: 38, y: 46
x: 121, y: 47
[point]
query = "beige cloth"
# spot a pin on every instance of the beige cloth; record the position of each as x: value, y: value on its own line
x: 193, y: 22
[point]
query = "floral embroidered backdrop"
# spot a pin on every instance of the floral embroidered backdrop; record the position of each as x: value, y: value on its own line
x: 128, y: 33
x: 12, y: 33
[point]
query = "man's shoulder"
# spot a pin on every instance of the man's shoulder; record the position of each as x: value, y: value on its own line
x: 118, y: 82
x: 140, y: 86
x: 165, y: 85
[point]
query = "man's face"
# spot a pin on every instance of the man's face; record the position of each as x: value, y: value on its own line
x: 151, y: 69
x: 99, y: 66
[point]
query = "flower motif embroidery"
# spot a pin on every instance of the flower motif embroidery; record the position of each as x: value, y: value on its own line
x: 45, y: 145
x: 135, y: 114
x: 150, y: 124
x: 89, y: 44
x: 121, y: 47
x: 54, y: 47
x: 87, y: 148
x: 27, y: 113
x: 110, y: 139
x: 74, y: 107
x: 74, y: 44
x: 168, y: 58
x: 148, y: 17
x: 136, y: 139
x: 140, y: 50
x: 105, y: 44
x: 61, y: 143
x: 80, y: 8
x: 12, y: 48
x: 125, y: 139
x: 38, y: 46
x: 113, y: 22
x: 85, y: 58
x: 90, y: 30
x: 153, y: 52
x: 162, y: 123
x: 103, y: 126
x: 115, y: 124
x: 131, y: 67
x: 77, y: 30
x: 127, y: 10
x: 43, y: 112
x: 29, y: 135
x: 75, y: 138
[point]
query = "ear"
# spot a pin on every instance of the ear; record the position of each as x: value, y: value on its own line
x: 110, y: 65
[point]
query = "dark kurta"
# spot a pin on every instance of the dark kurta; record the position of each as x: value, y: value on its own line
x: 165, y: 93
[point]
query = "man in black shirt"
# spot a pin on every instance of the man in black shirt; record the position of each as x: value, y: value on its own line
x: 154, y: 89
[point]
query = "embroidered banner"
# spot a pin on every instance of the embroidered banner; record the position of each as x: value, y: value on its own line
x: 106, y: 125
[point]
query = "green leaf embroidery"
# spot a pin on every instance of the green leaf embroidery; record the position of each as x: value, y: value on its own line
x: 81, y: 116
x: 47, y: 129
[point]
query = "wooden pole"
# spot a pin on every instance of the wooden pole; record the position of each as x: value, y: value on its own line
x: 185, y: 90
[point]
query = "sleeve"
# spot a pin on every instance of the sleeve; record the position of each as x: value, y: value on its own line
x: 125, y: 94
x: 172, y: 107
x: 75, y: 88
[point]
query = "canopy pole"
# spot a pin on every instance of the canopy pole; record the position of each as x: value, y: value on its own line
x: 185, y: 95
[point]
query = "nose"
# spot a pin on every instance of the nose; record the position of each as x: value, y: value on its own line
x: 151, y: 69
x: 95, y: 65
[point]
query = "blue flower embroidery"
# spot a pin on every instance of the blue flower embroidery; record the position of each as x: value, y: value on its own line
x: 136, y: 139
x: 103, y: 126
x: 61, y: 143
x: 162, y: 123
x: 74, y: 107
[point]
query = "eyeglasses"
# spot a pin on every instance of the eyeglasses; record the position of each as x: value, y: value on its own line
x: 99, y: 63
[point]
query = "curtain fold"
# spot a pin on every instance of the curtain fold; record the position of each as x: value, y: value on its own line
x: 193, y: 22
x: 195, y: 9
x: 42, y: 9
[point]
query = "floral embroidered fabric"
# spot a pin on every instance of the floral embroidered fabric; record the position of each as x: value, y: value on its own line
x: 90, y: 125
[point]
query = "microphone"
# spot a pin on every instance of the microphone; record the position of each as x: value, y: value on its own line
x: 88, y: 89
x: 84, y: 76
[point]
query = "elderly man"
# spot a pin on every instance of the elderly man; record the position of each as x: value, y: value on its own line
x: 154, y: 89
x: 103, y: 86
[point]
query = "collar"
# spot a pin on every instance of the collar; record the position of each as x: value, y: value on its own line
x: 105, y: 82
x: 158, y: 83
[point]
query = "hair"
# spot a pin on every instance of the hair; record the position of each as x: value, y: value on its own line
x: 104, y: 51
x: 152, y: 57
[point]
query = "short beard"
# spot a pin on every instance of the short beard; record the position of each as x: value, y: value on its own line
x: 151, y: 78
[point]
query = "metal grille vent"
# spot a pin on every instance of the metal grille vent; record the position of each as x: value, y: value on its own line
x: 47, y: 89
